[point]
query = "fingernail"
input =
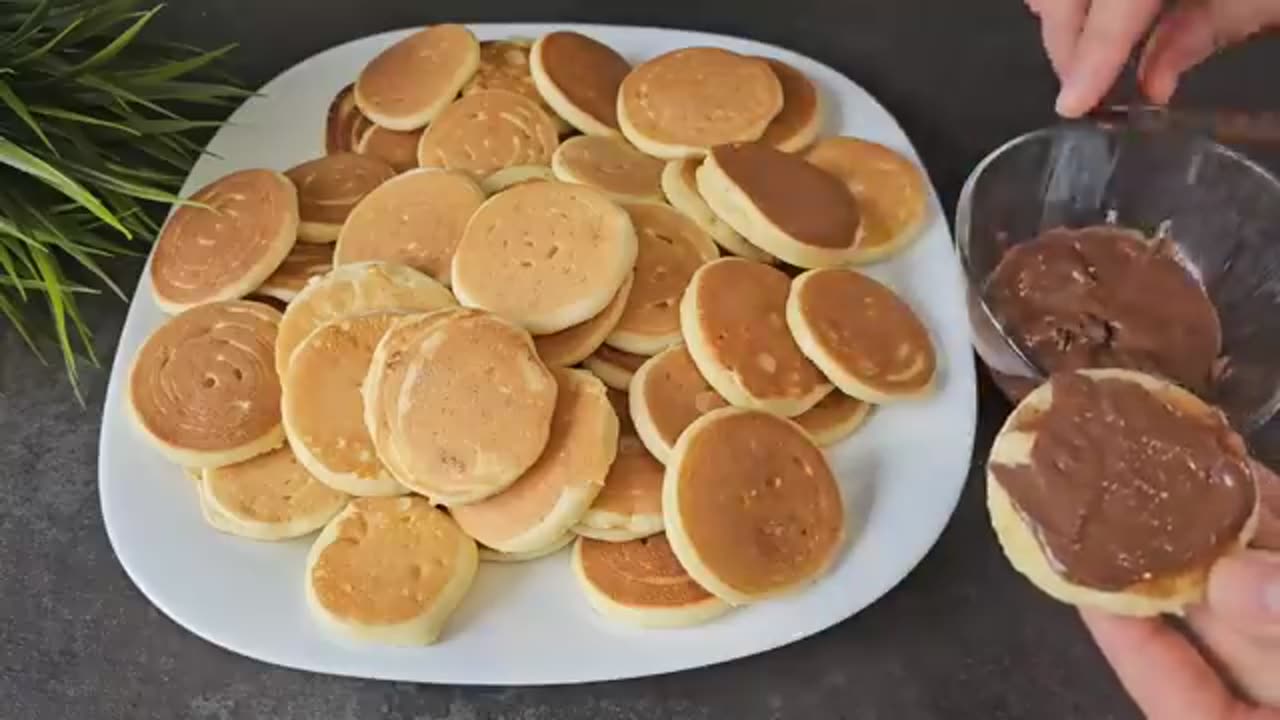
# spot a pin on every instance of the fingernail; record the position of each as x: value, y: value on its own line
x: 1068, y: 104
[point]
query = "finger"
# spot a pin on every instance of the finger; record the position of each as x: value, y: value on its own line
x: 1247, y: 660
x: 1182, y: 39
x: 1159, y: 668
x: 1244, y: 590
x: 1060, y: 26
x: 1267, y: 536
x: 1111, y: 31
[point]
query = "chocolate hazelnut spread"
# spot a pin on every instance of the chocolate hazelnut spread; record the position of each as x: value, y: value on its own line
x: 1106, y: 297
x: 1124, y: 488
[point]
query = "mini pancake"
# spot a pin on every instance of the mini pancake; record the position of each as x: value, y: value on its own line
x: 892, y: 192
x: 751, y: 507
x: 323, y: 410
x: 344, y: 123
x: 788, y: 207
x: 328, y: 189
x: 203, y: 388
x: 864, y: 338
x: 487, y: 131
x: 610, y: 165
x: 572, y: 346
x: 621, y: 406
x: 414, y: 219
x: 504, y: 65
x: 245, y: 225
x: 389, y: 570
x: 1117, y: 490
x: 733, y: 321
x: 671, y: 249
x: 515, y: 175
x: 408, y: 85
x: 685, y: 102
x: 579, y: 78
x: 550, y: 497
x: 491, y: 555
x: 396, y: 148
x: 614, y: 367
x: 269, y: 497
x: 834, y: 418
x: 546, y: 256
x: 467, y: 406
x: 303, y: 263
x: 352, y: 290
x: 797, y: 126
x: 680, y: 185
x: 630, y: 506
x: 642, y: 583
x: 667, y: 395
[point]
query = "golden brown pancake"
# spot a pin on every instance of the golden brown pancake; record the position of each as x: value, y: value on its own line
x: 396, y: 148
x: 303, y: 263
x: 203, y: 388
x: 515, y: 175
x: 680, y: 185
x: 642, y: 583
x: 611, y: 165
x: 797, y: 126
x: 865, y: 339
x: 328, y: 189
x: 671, y: 249
x: 415, y: 219
x: 734, y: 325
x: 683, y: 103
x: 269, y: 497
x: 408, y: 85
x: 504, y: 65
x: 223, y: 247
x: 579, y: 78
x: 630, y: 505
x: 834, y: 418
x: 892, y: 192
x: 344, y: 123
x: 614, y: 367
x: 560, y: 543
x: 752, y: 509
x: 667, y: 395
x: 572, y: 346
x: 545, y: 255
x: 489, y: 130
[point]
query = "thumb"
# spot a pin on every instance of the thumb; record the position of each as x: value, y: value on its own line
x: 1193, y: 31
x: 1244, y: 590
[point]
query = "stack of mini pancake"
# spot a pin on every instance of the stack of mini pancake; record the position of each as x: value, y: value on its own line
x: 491, y: 320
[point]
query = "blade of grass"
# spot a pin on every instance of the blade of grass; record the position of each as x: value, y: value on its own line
x: 10, y: 310
x: 19, y: 108
x: 57, y: 302
x: 177, y: 68
x: 19, y: 159
x: 35, y: 17
x: 46, y: 48
x: 76, y: 117
x: 113, y: 48
x: 11, y: 269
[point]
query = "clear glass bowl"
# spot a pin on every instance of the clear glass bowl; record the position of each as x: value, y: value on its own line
x: 1221, y: 209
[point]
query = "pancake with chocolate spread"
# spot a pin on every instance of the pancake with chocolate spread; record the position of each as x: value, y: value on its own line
x: 329, y: 188
x: 579, y: 78
x: 797, y: 125
x: 1118, y: 490
x: 614, y: 367
x: 410, y: 83
x: 782, y: 204
x: 641, y: 583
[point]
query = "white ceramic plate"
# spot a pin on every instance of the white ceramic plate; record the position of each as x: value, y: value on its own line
x: 528, y: 624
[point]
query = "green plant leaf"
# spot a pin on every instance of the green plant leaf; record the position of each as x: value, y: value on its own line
x: 11, y: 269
x: 112, y: 49
x: 48, y: 47
x: 11, y: 311
x: 19, y: 108
x: 177, y: 68
x: 29, y: 26
x: 57, y: 300
x: 16, y: 157
x: 72, y: 116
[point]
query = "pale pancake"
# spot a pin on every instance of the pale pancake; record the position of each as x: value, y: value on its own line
x: 552, y: 495
x: 389, y: 570
x: 221, y: 249
x: 269, y: 497
x: 353, y: 290
x: 467, y: 405
x: 798, y: 124
x: 323, y: 410
x: 515, y: 175
x: 408, y: 85
x: 560, y: 543
x: 572, y: 346
x: 834, y: 418
x: 487, y: 131
x: 891, y: 190
x: 203, y: 388
x: 734, y: 324
x: 680, y: 185
x: 614, y: 367
x: 751, y: 507
x: 671, y: 249
x: 504, y: 65
x: 683, y: 103
x: 642, y: 583
x: 344, y: 123
x: 546, y: 255
x: 610, y: 165
x: 329, y: 188
x: 579, y: 78
x: 865, y: 339
x: 667, y: 395
x: 630, y: 506
x: 396, y: 148
x: 303, y: 263
x: 788, y: 207
x: 414, y: 219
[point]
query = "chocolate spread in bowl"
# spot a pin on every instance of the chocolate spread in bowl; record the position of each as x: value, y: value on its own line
x: 1106, y: 297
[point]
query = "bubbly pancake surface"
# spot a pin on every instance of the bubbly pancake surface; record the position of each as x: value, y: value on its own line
x: 572, y: 345
x: 396, y: 148
x: 415, y: 219
x: 304, y: 262
x: 329, y: 187
x: 408, y: 84
x: 667, y: 395
x: 642, y: 575
x: 797, y: 125
x: 486, y: 131
x: 269, y: 497
x: 221, y: 249
x: 579, y: 76
x: 611, y: 165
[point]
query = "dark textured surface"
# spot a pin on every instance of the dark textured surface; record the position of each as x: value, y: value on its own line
x: 962, y: 637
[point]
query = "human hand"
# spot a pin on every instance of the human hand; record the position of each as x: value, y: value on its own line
x: 1089, y: 41
x: 1238, y: 627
